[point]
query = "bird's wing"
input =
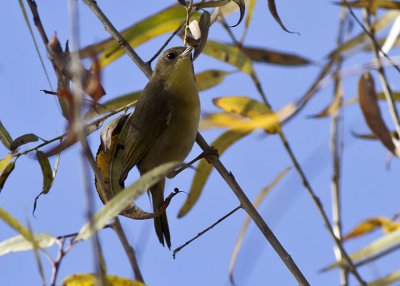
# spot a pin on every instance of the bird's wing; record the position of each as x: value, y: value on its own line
x: 144, y: 126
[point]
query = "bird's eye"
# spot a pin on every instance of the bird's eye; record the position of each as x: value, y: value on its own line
x: 171, y: 56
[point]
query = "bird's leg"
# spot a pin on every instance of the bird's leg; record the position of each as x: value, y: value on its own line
x: 205, y: 154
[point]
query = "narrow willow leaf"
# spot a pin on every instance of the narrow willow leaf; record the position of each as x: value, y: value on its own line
x: 386, y: 280
x: 4, y: 162
x: 5, y: 173
x: 46, y: 171
x: 19, y: 243
x: 121, y: 101
x: 203, y: 170
x: 229, y: 54
x: 139, y: 33
x: 385, y: 20
x: 24, y: 139
x: 373, y: 248
x: 122, y: 200
x: 5, y: 137
x: 274, y: 57
x: 204, y: 25
x: 370, y: 225
x: 93, y: 280
x: 371, y: 5
x: 260, y: 197
x: 210, y: 78
x: 14, y: 223
x: 274, y: 13
x: 250, y: 10
x: 372, y: 113
x: 234, y: 121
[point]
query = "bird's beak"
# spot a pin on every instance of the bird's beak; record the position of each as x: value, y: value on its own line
x: 186, y: 52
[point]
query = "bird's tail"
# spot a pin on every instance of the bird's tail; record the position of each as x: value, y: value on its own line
x: 160, y: 222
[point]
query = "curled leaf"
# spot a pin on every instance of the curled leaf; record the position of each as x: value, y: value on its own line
x: 274, y: 13
x: 372, y: 113
x: 47, y: 173
x: 5, y: 173
x: 24, y: 139
x: 204, y: 25
x: 122, y: 200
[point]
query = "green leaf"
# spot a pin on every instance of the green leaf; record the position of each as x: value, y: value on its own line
x: 386, y: 280
x: 122, y: 200
x: 373, y: 248
x: 5, y: 137
x: 20, y: 243
x: 13, y: 223
x: 93, y: 280
x: 24, y: 139
x: 229, y: 54
x: 203, y: 170
x: 46, y: 171
x: 246, y: 223
x: 139, y: 33
x: 48, y: 176
x: 5, y: 173
x: 210, y: 78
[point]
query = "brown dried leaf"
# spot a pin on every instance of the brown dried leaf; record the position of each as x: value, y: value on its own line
x: 62, y: 59
x: 274, y: 57
x: 204, y: 25
x: 333, y: 107
x: 372, y: 114
x: 24, y: 139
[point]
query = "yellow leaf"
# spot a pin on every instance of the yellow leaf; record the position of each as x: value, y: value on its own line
x: 210, y: 78
x: 233, y: 121
x: 229, y: 54
x: 93, y: 279
x: 139, y: 33
x: 204, y: 169
x: 4, y: 162
x: 367, y: 226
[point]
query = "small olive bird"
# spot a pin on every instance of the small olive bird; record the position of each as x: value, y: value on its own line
x: 164, y: 124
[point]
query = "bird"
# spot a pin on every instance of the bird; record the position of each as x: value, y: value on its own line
x: 163, y: 126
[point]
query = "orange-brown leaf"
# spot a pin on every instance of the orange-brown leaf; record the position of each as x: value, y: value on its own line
x: 372, y: 113
x: 370, y: 225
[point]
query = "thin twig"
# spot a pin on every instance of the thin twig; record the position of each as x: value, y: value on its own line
x: 176, y: 250
x: 128, y: 249
x: 336, y: 144
x: 300, y: 171
x: 228, y: 177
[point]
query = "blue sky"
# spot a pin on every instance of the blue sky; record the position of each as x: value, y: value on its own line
x: 368, y: 187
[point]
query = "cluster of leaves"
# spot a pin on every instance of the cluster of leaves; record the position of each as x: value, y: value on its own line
x: 240, y: 115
